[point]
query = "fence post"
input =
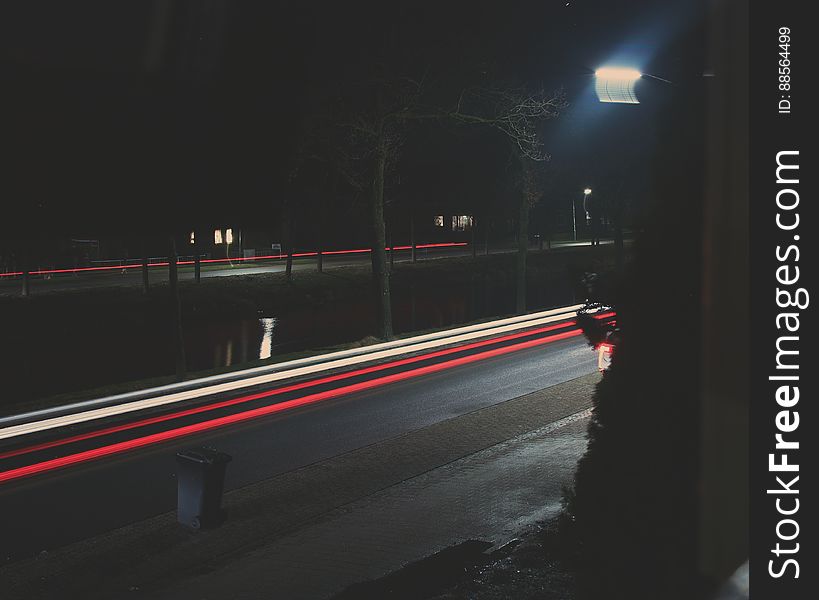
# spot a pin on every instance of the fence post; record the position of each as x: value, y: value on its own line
x: 392, y: 251
x: 176, y: 310
x: 412, y: 239
x: 145, y: 274
x: 472, y: 240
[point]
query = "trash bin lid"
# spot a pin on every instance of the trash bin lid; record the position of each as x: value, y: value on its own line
x: 204, y: 455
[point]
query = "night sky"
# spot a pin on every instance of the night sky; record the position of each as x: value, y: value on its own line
x: 124, y: 116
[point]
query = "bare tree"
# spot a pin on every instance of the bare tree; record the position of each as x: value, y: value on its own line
x: 530, y: 190
x: 366, y: 131
x: 369, y: 153
x: 517, y: 114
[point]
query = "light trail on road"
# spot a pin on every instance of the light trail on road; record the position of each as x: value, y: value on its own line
x: 278, y: 372
x: 171, y: 434
x: 277, y: 391
x: 545, y: 335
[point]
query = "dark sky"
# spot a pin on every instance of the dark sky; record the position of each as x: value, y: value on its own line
x: 140, y: 108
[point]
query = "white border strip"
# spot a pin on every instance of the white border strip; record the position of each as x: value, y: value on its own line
x: 277, y: 372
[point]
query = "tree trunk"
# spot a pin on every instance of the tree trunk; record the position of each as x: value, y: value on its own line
x: 381, y: 275
x: 333, y: 177
x: 287, y: 235
x: 197, y: 259
x: 392, y: 251
x: 472, y: 240
x: 176, y: 313
x: 288, y: 269
x: 523, y: 250
x: 412, y: 239
x: 319, y: 254
x: 24, y: 267
x: 145, y: 283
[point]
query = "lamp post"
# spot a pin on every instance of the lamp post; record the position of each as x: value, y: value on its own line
x: 586, y: 193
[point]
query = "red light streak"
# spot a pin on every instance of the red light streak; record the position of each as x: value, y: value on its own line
x: 605, y: 315
x: 187, y: 430
x: 348, y: 251
x: 221, y: 260
x: 278, y: 391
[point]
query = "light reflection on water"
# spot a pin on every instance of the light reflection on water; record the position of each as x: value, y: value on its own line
x: 266, y: 345
x: 237, y: 344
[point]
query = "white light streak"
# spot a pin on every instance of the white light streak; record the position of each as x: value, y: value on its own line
x: 288, y: 370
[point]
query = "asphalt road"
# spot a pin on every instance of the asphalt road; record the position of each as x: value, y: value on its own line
x: 55, y: 508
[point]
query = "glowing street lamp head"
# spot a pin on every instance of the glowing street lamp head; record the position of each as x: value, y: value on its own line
x: 618, y: 74
x: 616, y: 84
x: 587, y: 191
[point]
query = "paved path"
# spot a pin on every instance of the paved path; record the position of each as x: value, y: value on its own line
x: 490, y: 496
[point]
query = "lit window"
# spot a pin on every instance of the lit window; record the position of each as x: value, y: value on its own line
x: 229, y: 236
x: 461, y: 222
x: 439, y: 221
x: 193, y: 237
x: 217, y: 236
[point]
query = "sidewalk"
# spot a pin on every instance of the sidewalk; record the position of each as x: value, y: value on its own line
x: 490, y: 496
x: 312, y: 532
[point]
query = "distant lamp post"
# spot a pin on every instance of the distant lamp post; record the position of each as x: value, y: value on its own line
x: 616, y: 84
x: 586, y: 193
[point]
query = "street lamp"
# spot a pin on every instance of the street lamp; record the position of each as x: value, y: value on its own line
x: 616, y: 84
x: 621, y: 73
x: 586, y: 193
